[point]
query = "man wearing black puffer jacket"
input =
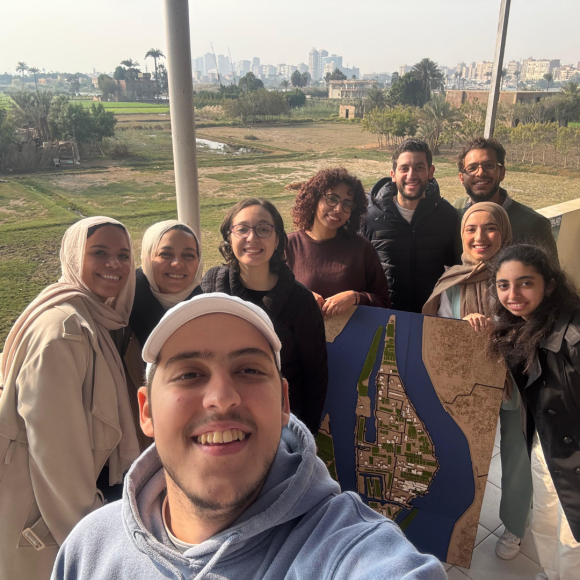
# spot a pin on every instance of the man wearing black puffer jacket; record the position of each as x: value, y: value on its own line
x: 411, y: 226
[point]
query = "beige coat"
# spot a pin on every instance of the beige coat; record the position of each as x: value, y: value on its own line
x: 59, y: 423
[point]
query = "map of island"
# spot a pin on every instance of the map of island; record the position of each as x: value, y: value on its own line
x: 409, y: 422
x: 399, y: 464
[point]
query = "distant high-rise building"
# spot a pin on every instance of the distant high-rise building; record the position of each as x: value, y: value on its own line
x: 243, y: 67
x: 223, y: 63
x: 302, y: 68
x: 513, y: 66
x: 534, y: 70
x: 208, y: 63
x: 198, y: 65
x: 404, y: 69
x: 313, y: 65
x: 483, y: 70
x: 316, y: 63
x: 255, y: 62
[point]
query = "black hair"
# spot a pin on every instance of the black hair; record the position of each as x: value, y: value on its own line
x: 225, y: 247
x: 481, y: 143
x: 412, y: 146
x: 512, y: 337
x: 93, y: 229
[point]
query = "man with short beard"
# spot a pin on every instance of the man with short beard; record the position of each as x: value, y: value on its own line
x: 232, y: 487
x: 481, y: 164
x: 411, y: 226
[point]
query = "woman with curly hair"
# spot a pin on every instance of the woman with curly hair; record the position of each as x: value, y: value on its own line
x: 535, y: 318
x: 326, y: 254
x: 253, y: 246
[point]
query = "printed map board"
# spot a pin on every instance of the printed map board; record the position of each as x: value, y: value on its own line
x: 409, y: 422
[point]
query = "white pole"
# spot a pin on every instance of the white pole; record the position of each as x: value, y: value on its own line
x: 182, y: 112
x: 504, y: 13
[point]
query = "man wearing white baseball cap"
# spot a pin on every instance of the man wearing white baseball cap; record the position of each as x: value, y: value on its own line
x: 232, y: 487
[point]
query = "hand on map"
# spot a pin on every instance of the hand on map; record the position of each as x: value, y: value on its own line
x: 319, y: 300
x: 337, y: 304
x: 478, y: 321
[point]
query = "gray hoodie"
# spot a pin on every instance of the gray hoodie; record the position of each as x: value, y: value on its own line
x: 300, y: 527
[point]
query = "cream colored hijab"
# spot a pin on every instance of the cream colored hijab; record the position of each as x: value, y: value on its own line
x: 110, y: 315
x: 472, y: 275
x: 149, y: 247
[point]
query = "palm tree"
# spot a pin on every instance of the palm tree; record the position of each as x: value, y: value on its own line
x: 34, y: 71
x: 488, y: 75
x: 548, y: 77
x: 517, y: 74
x: 22, y: 67
x: 285, y: 84
x: 376, y: 99
x: 131, y: 73
x: 32, y: 109
x: 435, y: 117
x: 155, y: 53
x: 429, y: 74
x: 571, y: 88
x: 504, y: 72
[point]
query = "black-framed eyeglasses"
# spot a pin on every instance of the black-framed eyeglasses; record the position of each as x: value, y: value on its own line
x: 261, y: 230
x: 332, y: 200
x: 487, y: 166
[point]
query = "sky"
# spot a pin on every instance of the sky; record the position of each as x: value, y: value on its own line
x: 374, y: 35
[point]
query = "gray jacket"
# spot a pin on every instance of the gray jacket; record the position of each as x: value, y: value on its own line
x: 300, y: 527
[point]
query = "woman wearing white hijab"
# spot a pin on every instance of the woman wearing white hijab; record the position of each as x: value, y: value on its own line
x: 171, y: 271
x: 65, y: 414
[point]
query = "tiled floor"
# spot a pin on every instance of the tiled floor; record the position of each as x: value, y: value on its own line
x: 485, y: 565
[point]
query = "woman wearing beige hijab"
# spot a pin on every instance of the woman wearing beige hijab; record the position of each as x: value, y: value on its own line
x: 461, y: 293
x: 66, y: 432
x: 171, y: 271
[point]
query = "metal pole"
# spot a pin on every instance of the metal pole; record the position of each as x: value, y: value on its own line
x: 182, y: 112
x: 504, y: 13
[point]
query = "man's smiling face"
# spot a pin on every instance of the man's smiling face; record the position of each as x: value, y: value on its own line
x: 216, y: 409
x: 412, y: 174
x: 482, y: 185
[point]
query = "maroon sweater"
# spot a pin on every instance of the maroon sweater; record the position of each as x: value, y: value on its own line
x: 339, y: 264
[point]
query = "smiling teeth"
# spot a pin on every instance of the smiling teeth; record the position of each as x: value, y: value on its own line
x: 221, y: 436
x: 178, y: 276
x: 107, y: 277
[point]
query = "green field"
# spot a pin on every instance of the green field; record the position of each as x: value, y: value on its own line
x: 36, y: 208
x: 130, y: 108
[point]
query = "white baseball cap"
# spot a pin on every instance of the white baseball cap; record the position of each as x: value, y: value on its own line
x: 212, y: 303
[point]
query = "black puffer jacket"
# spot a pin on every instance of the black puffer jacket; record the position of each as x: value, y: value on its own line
x: 551, y: 396
x: 413, y: 255
x: 299, y: 325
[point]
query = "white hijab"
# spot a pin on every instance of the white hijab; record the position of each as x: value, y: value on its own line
x: 150, y: 245
x: 110, y: 315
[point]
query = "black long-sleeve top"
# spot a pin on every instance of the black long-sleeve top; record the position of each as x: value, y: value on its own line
x: 298, y: 322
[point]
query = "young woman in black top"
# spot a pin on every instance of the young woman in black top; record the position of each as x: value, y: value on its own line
x: 253, y: 246
x: 535, y: 321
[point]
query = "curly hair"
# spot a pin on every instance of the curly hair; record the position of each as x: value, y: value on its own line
x: 512, y: 337
x: 481, y: 143
x: 225, y: 248
x: 304, y: 209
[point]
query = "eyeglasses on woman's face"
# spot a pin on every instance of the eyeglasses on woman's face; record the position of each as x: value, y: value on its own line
x: 332, y: 200
x: 242, y: 231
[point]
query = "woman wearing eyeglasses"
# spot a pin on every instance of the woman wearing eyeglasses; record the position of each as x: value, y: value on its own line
x: 326, y: 254
x: 253, y: 246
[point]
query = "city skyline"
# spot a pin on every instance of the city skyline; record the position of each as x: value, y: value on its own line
x: 533, y: 31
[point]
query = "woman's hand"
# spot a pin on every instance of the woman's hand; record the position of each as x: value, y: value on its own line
x: 319, y: 300
x: 478, y: 321
x: 339, y: 303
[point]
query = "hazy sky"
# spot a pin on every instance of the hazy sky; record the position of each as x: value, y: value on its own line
x: 375, y: 35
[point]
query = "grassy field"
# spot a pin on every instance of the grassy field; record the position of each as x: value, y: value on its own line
x: 130, y: 108
x: 36, y: 209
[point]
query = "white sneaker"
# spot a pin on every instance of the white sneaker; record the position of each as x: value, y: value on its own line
x: 508, y: 546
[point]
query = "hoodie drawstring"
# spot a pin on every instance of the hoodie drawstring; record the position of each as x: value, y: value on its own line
x: 214, y: 560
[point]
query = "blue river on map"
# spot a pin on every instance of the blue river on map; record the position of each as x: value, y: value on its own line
x: 452, y: 489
